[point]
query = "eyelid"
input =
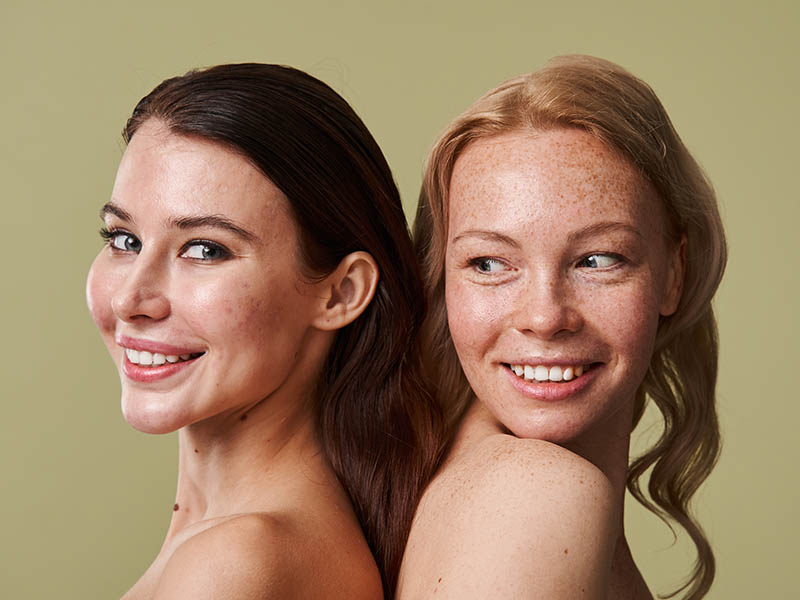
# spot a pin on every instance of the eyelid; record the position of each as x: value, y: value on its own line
x: 226, y: 253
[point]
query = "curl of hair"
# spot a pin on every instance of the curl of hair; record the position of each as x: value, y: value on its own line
x: 376, y: 420
x: 603, y: 99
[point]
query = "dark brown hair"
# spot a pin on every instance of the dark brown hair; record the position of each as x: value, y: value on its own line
x: 376, y: 421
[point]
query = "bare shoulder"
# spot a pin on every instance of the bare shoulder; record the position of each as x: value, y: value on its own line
x: 514, y: 466
x: 250, y: 556
x: 513, y: 518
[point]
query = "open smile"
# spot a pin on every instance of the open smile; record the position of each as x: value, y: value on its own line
x: 551, y: 382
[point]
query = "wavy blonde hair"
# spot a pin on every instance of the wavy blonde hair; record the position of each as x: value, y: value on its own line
x: 621, y: 110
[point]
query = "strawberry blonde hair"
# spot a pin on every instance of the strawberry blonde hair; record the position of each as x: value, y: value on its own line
x: 621, y: 110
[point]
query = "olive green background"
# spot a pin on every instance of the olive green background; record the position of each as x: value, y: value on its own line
x: 85, y: 500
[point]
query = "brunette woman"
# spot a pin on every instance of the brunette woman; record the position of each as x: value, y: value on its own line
x: 259, y: 294
x: 571, y: 247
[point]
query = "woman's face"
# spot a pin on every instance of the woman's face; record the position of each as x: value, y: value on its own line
x: 198, y: 294
x: 557, y: 269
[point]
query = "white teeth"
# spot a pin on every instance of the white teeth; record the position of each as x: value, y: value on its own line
x: 542, y: 373
x: 145, y: 358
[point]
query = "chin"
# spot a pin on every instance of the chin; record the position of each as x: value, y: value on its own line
x: 150, y: 417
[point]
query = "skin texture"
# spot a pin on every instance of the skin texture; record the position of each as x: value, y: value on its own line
x: 258, y: 511
x: 556, y: 255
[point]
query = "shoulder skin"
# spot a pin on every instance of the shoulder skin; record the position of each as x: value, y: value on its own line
x: 513, y: 518
x: 255, y: 557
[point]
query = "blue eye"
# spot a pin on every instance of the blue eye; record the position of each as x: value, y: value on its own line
x: 205, y: 251
x: 486, y: 265
x: 599, y: 261
x: 121, y: 240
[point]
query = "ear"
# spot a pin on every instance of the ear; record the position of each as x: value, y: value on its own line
x: 675, y: 273
x: 347, y: 291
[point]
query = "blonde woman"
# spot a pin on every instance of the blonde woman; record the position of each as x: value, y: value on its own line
x: 571, y: 247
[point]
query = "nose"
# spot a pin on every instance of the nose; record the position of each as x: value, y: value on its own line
x: 548, y: 308
x: 142, y: 294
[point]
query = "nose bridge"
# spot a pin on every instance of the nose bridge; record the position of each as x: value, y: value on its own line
x: 547, y: 307
x: 144, y: 289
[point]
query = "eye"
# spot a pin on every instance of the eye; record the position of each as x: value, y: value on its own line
x: 599, y: 261
x: 204, y: 250
x: 486, y: 265
x: 121, y: 240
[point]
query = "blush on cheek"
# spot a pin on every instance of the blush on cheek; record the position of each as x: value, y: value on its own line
x: 100, y: 286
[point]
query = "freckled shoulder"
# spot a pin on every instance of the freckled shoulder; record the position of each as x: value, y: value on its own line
x: 251, y: 556
x: 513, y: 518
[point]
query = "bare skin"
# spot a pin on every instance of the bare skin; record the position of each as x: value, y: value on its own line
x: 557, y: 272
x: 199, y: 298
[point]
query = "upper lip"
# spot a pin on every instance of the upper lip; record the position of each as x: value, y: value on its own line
x: 549, y: 362
x: 154, y: 347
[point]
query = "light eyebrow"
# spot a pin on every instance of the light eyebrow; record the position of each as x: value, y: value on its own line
x: 489, y: 236
x: 113, y: 209
x: 216, y: 221
x: 601, y: 228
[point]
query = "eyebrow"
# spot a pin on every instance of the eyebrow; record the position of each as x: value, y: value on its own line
x: 489, y: 236
x: 216, y: 221
x: 113, y: 209
x: 589, y: 231
x: 601, y: 228
x: 191, y: 222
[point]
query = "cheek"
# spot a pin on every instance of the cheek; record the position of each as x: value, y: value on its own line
x: 628, y: 319
x: 474, y: 316
x: 100, y: 285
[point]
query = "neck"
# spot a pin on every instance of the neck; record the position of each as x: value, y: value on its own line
x: 242, y: 462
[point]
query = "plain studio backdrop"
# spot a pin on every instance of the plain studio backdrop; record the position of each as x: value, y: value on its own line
x: 85, y: 500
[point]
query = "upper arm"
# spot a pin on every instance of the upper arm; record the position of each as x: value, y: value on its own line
x: 238, y: 559
x: 534, y: 521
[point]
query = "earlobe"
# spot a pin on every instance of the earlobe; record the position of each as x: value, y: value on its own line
x: 348, y: 290
x: 675, y: 275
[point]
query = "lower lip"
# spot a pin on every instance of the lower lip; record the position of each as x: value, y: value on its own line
x: 150, y: 374
x: 550, y: 391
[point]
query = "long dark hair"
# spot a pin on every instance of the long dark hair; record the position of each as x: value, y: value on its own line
x: 376, y: 421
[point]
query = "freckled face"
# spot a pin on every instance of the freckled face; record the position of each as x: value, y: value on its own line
x: 556, y: 257
x: 225, y: 290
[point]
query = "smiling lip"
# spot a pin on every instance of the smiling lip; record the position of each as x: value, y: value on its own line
x: 550, y: 391
x: 150, y: 373
x: 151, y: 346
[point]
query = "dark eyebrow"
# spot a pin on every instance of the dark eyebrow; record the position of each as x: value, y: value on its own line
x: 111, y: 208
x: 601, y: 228
x: 217, y: 221
x: 489, y: 236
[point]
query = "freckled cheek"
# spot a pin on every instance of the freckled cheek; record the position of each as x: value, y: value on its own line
x: 474, y: 316
x: 630, y: 321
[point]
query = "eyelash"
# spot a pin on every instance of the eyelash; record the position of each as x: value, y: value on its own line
x: 474, y: 262
x: 109, y: 234
x: 619, y: 260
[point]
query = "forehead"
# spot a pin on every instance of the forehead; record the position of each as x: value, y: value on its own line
x: 168, y: 175
x: 530, y: 176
